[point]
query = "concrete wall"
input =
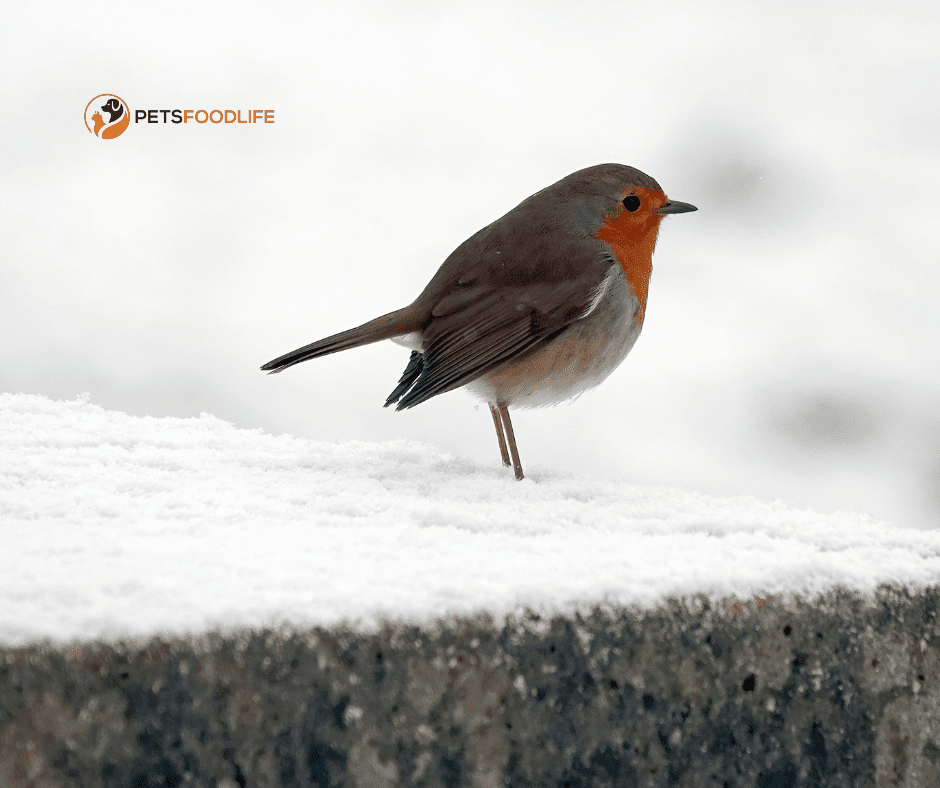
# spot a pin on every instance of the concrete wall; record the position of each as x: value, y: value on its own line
x: 836, y: 691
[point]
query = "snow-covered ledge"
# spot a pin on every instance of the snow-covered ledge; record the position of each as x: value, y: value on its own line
x: 186, y: 603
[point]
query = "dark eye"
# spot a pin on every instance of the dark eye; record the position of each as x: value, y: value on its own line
x: 631, y: 202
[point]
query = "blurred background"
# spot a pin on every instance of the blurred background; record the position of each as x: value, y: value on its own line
x: 790, y: 348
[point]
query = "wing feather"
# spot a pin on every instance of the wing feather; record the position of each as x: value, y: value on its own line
x: 481, y: 329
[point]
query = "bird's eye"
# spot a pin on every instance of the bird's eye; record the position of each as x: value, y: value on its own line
x: 631, y: 202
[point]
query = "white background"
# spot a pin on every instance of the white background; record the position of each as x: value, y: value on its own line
x: 790, y: 346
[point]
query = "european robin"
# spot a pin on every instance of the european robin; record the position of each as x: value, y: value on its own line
x: 535, y: 308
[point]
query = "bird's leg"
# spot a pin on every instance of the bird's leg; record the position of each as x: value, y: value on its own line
x: 511, y: 439
x: 499, y: 435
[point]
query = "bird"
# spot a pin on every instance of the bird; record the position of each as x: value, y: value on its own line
x: 532, y: 310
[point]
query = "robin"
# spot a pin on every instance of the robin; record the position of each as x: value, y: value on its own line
x: 535, y: 308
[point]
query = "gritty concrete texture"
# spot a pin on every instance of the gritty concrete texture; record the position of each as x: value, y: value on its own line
x: 841, y: 690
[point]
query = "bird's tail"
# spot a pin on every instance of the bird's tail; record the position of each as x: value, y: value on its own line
x: 394, y: 324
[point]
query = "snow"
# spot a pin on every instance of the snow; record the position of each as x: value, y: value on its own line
x: 121, y: 526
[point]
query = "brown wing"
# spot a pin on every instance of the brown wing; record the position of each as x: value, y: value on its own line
x: 506, y: 291
x: 478, y: 329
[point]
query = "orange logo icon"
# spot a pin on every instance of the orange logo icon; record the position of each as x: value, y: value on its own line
x: 107, y: 116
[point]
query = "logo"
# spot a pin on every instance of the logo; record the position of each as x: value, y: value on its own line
x: 107, y: 116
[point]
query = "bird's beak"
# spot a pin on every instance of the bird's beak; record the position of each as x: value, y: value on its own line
x: 674, y: 206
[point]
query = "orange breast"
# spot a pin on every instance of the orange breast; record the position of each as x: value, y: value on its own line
x: 633, y: 239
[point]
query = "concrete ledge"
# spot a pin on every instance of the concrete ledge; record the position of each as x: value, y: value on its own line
x: 842, y: 690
